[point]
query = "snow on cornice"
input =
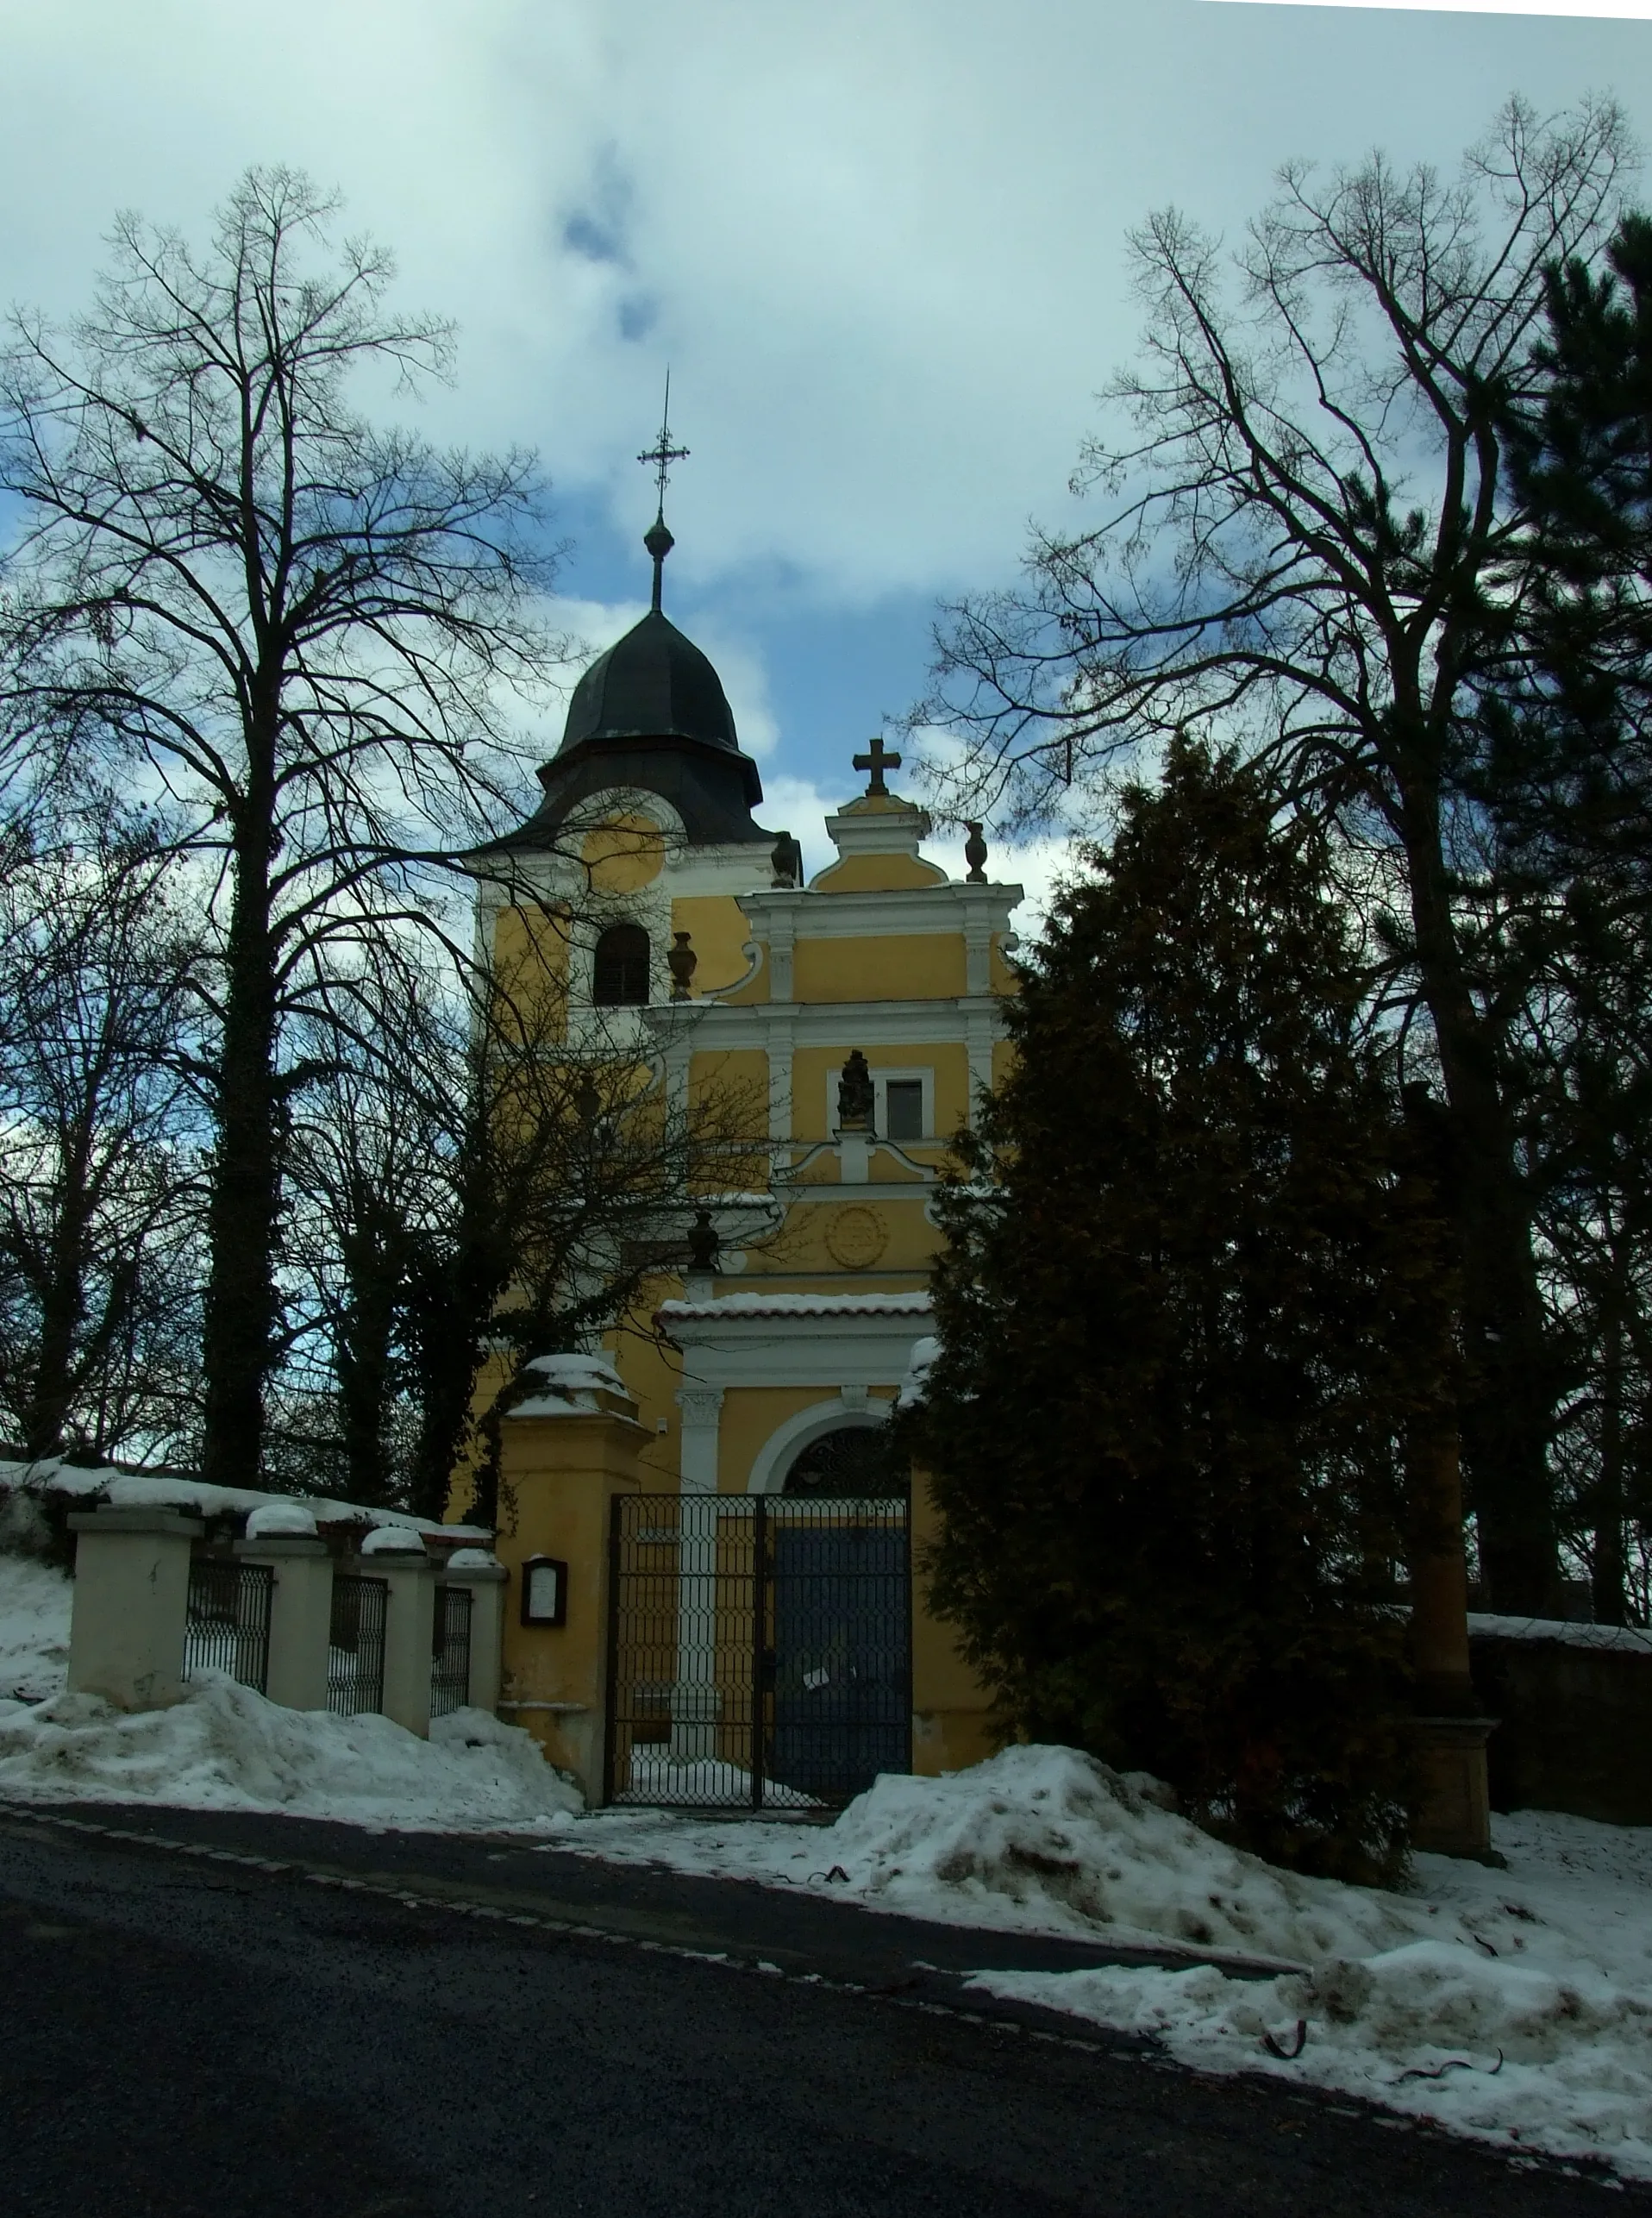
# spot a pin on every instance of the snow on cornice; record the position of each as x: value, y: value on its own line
x: 731, y: 1305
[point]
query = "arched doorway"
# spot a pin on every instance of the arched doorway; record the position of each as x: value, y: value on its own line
x: 841, y: 1614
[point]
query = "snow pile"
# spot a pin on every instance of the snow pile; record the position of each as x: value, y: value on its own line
x: 224, y: 1747
x: 289, y: 1520
x: 392, y: 1540
x: 1405, y: 1999
x: 1037, y: 1840
x: 1050, y: 1838
x: 35, y: 1604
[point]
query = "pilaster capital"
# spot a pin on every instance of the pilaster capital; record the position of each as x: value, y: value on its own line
x: 701, y: 1405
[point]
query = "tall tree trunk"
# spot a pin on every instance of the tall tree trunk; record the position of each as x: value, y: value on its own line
x: 238, y: 1339
x: 1607, y: 1566
x: 63, y: 1306
x: 373, y: 1255
x: 1508, y: 1399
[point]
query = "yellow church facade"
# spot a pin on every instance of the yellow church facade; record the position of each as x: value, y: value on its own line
x: 709, y: 1506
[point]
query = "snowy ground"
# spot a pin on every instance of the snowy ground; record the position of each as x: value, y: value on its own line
x: 1409, y: 2000
x: 1512, y: 2005
x: 33, y: 1628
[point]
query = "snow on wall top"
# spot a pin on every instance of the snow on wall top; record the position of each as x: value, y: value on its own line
x: 155, y: 1490
x: 1490, y: 1626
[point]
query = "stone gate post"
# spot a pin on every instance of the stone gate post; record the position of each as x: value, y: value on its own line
x: 131, y: 1599
x: 565, y: 1453
x: 283, y: 1535
x: 397, y: 1555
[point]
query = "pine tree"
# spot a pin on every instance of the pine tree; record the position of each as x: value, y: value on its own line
x: 1567, y: 792
x: 1167, y: 1416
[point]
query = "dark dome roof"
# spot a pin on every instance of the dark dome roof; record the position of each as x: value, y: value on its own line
x: 653, y: 684
x: 650, y: 714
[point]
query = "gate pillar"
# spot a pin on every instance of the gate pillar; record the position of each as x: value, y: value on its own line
x: 399, y: 1558
x: 563, y: 1458
x: 131, y: 1597
x: 951, y: 1726
x: 301, y: 1606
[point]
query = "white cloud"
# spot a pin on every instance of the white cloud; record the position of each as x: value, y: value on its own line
x: 883, y: 248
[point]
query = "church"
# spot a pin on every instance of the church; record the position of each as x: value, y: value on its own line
x: 710, y: 1543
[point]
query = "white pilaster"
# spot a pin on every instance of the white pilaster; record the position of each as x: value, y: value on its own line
x: 782, y: 1037
x: 702, y: 1409
x: 694, y: 1703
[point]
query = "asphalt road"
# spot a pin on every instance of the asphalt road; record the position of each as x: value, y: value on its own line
x: 258, y: 2018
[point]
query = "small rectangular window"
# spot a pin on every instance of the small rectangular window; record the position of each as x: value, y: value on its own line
x: 903, y: 1109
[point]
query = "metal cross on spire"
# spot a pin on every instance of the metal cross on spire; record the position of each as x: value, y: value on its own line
x: 658, y: 540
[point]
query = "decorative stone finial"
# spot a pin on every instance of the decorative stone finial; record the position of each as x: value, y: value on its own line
x: 975, y: 853
x: 786, y: 860
x: 682, y: 962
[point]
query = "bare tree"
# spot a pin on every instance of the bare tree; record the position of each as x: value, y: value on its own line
x: 478, y: 1183
x: 100, y: 1142
x: 1311, y: 546
x: 306, y: 629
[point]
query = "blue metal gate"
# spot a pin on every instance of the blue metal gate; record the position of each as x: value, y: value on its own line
x: 760, y: 1648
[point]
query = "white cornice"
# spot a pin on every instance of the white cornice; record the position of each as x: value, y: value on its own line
x: 724, y: 1025
x: 800, y: 1340
x: 813, y: 914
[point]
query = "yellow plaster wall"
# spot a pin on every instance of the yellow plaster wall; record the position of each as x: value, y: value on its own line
x: 909, y: 1239
x: 736, y: 1081
x: 952, y: 1725
x: 719, y: 932
x: 907, y: 966
x: 530, y: 962
x: 877, y: 874
x: 624, y: 853
x: 653, y: 1375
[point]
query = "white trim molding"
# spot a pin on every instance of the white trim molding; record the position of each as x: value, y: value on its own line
x: 832, y: 1340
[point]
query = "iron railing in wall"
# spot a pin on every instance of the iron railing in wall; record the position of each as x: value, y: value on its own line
x: 355, y: 1644
x: 760, y: 1648
x: 450, y: 1651
x: 226, y: 1625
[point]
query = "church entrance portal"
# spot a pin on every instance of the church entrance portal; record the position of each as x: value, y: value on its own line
x: 759, y: 1650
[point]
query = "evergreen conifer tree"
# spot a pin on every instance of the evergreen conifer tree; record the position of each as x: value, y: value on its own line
x: 1177, y: 1362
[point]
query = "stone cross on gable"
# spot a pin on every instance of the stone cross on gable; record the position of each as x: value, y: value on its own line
x: 877, y: 762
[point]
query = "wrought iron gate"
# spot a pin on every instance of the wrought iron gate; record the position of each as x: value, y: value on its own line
x: 355, y: 1644
x: 450, y: 1651
x: 760, y: 1648
x: 226, y: 1625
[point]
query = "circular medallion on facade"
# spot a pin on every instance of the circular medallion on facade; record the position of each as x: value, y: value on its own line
x: 855, y: 1238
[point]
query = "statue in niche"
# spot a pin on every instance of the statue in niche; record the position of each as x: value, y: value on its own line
x: 854, y: 1095
x: 703, y: 1242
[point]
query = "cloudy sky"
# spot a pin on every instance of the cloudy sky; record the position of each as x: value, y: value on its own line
x: 881, y: 245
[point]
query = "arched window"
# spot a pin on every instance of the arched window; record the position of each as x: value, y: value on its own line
x: 620, y: 976
x: 854, y: 1460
